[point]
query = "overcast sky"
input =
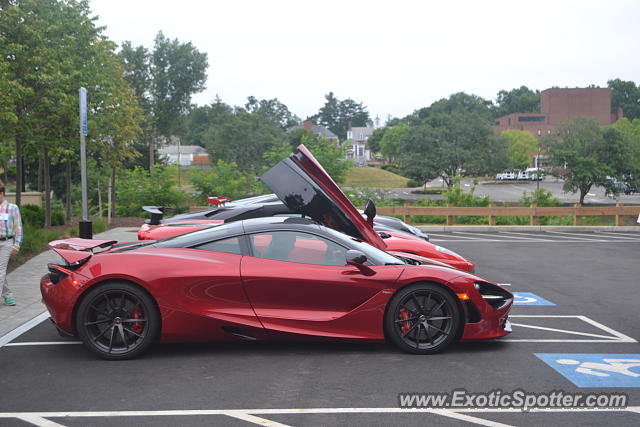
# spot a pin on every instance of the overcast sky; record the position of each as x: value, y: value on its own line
x: 394, y: 56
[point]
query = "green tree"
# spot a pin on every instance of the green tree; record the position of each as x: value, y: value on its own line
x: 452, y: 137
x: 225, y: 179
x: 140, y: 187
x: 395, y: 140
x: 374, y: 140
x: 330, y: 155
x: 591, y: 155
x: 164, y: 81
x: 242, y: 138
x: 518, y: 100
x: 625, y: 94
x: 272, y: 110
x: 336, y: 115
x: 521, y: 147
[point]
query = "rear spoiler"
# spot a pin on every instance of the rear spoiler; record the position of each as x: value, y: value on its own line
x: 76, y: 250
x: 157, y: 212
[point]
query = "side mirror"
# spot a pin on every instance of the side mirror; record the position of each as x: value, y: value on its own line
x: 356, y: 258
x: 370, y: 211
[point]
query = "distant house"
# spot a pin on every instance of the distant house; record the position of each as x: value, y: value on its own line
x: 315, y: 129
x: 356, y: 144
x: 186, y: 155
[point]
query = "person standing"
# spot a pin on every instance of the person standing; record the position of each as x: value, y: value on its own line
x: 10, y: 241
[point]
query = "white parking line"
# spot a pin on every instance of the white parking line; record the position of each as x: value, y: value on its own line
x: 18, y: 344
x: 39, y: 418
x: 592, y: 235
x: 617, y: 233
x: 616, y: 337
x: 522, y: 239
x: 23, y: 328
x: 451, y: 235
x: 615, y: 236
x: 573, y: 236
x: 526, y: 234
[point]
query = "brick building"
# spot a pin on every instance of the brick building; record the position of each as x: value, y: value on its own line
x: 558, y: 106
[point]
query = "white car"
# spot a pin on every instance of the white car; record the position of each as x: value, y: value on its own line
x: 523, y: 176
x: 535, y: 174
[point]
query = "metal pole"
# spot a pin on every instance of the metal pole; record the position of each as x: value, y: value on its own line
x: 85, y: 228
x: 83, y: 152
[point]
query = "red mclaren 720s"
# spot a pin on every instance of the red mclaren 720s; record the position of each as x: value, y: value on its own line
x: 268, y: 278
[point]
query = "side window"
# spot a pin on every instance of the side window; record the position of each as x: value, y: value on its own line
x: 230, y: 246
x: 297, y: 247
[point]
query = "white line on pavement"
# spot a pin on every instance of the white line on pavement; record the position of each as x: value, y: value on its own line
x: 254, y: 419
x: 18, y: 344
x: 39, y: 421
x: 543, y: 328
x: 616, y: 236
x: 239, y: 413
x: 617, y: 233
x: 573, y: 236
x: 23, y: 328
x: 522, y: 239
x: 528, y: 235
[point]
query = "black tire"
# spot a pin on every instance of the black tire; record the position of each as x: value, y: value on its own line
x: 117, y: 320
x: 422, y: 318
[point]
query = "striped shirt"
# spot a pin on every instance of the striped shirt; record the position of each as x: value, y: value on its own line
x: 11, y: 223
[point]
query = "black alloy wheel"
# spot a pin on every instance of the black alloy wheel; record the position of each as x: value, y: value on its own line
x: 422, y: 319
x: 117, y: 321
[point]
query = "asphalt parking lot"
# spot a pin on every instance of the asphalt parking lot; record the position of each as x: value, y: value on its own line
x: 576, y: 313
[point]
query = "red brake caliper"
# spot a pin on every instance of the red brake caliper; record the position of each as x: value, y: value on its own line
x: 404, y: 326
x: 137, y: 314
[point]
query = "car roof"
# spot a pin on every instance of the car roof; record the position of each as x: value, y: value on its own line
x: 247, y: 226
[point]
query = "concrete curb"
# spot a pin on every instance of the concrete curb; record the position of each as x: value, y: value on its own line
x: 531, y: 228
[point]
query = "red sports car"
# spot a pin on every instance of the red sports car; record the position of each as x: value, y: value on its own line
x: 394, y: 239
x: 268, y: 278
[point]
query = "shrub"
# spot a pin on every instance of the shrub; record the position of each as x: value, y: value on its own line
x: 225, y: 179
x: 58, y: 218
x: 32, y: 215
x: 413, y: 183
x: 139, y: 187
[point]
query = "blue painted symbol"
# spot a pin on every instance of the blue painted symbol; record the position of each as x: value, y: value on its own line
x: 527, y: 298
x: 596, y: 370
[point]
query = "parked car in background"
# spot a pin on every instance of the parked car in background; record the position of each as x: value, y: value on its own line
x: 535, y: 174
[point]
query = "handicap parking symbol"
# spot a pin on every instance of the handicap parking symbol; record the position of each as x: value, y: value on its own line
x: 527, y: 298
x: 596, y: 370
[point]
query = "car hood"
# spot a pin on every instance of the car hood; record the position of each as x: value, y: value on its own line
x: 305, y: 187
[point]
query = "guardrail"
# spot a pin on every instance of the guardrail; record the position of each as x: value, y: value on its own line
x: 533, y: 212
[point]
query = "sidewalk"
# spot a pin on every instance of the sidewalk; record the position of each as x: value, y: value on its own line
x: 24, y: 281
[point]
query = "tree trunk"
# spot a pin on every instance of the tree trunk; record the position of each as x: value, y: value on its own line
x: 99, y: 200
x: 152, y: 143
x: 68, y: 201
x: 47, y: 189
x: 19, y: 141
x: 40, y: 167
x: 113, y: 192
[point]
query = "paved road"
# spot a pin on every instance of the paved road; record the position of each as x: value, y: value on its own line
x: 511, y: 192
x: 591, y: 278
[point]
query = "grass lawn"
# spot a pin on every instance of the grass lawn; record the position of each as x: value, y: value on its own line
x: 367, y: 177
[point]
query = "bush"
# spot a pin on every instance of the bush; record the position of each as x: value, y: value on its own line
x: 32, y: 215
x: 58, y: 218
x: 225, y: 179
x: 413, y: 183
x: 139, y: 187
